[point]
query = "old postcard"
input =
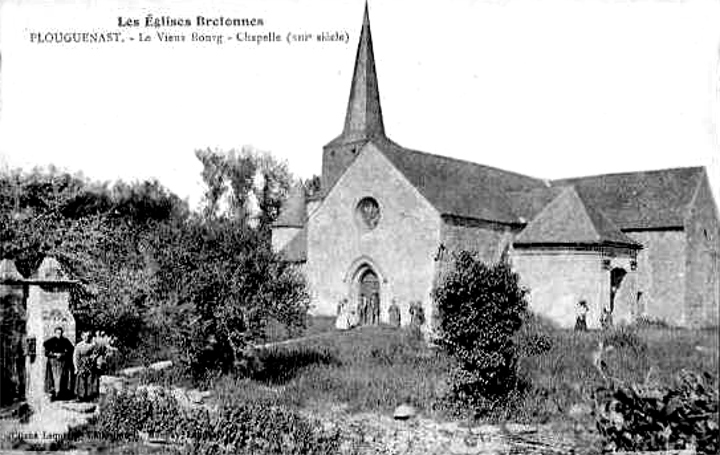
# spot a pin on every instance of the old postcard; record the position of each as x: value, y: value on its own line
x: 314, y: 227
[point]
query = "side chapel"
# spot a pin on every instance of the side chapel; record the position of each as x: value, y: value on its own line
x: 636, y: 244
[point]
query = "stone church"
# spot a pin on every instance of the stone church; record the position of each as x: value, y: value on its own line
x: 640, y: 244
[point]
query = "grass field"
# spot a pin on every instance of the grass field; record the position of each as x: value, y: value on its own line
x: 372, y: 368
x: 565, y: 375
x: 378, y: 368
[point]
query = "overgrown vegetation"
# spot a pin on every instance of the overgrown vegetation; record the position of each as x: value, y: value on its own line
x: 481, y: 307
x: 642, y: 417
x: 153, y: 273
x: 368, y: 369
x: 237, y: 427
x: 377, y: 368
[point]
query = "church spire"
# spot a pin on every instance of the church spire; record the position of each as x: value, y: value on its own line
x: 364, y: 115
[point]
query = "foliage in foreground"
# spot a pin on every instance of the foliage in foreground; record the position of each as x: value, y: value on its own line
x: 153, y: 273
x: 225, y: 285
x: 245, y: 427
x: 646, y: 417
x: 481, y: 307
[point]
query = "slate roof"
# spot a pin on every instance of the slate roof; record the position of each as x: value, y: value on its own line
x: 569, y: 220
x: 528, y: 203
x: 641, y: 200
x: 459, y: 188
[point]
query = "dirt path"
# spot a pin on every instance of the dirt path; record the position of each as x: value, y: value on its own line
x: 47, y: 426
x: 373, y: 433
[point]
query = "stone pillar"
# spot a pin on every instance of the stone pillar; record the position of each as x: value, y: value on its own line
x: 12, y: 333
x: 48, y: 307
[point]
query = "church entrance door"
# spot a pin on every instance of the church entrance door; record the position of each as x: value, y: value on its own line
x: 369, y: 298
x: 616, y: 278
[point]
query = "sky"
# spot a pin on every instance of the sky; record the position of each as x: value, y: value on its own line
x: 551, y: 88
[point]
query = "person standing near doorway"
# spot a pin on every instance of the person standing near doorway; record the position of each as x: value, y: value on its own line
x: 59, y: 351
x: 375, y: 309
x: 363, y: 310
x: 85, y: 362
x: 581, y: 317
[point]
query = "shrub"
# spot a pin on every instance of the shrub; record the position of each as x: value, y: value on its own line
x: 232, y: 287
x: 635, y: 417
x: 258, y: 428
x: 535, y: 337
x: 126, y: 413
x: 237, y: 427
x: 481, y: 308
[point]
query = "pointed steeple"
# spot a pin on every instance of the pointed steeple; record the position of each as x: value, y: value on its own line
x: 364, y: 115
x: 363, y: 121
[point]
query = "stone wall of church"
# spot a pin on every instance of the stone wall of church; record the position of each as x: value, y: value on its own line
x: 486, y: 239
x: 400, y: 249
x: 701, y: 286
x: 558, y: 280
x: 661, y: 274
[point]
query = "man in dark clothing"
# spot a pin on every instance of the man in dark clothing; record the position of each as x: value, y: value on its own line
x: 581, y: 317
x: 59, y: 351
x: 375, y: 309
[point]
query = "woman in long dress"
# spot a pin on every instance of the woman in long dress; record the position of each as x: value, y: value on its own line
x: 84, y: 359
x: 342, y: 322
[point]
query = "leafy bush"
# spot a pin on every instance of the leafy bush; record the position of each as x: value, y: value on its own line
x: 535, y: 337
x: 261, y: 429
x: 634, y: 417
x: 481, y: 307
x: 232, y: 287
x: 252, y: 427
x: 126, y: 413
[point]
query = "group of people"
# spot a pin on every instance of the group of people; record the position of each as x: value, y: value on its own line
x: 368, y: 312
x: 606, y: 321
x: 75, y: 370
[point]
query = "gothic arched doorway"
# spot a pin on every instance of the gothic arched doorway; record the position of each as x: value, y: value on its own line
x: 369, y: 297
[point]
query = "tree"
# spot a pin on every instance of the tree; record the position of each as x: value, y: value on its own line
x: 149, y: 268
x: 235, y: 177
x: 276, y: 182
x: 313, y: 186
x: 481, y: 307
x: 101, y: 234
x: 227, y: 285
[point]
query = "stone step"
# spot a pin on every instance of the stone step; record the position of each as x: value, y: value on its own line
x: 132, y: 371
x: 82, y: 408
x: 157, y: 366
